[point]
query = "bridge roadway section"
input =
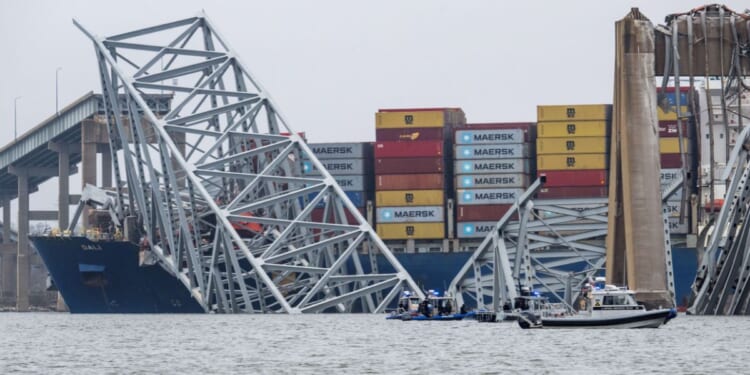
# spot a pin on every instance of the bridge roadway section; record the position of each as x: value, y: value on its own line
x: 54, y: 148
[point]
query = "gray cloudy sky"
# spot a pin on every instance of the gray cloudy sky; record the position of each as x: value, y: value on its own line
x: 331, y: 64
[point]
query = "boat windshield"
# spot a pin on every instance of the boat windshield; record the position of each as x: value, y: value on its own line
x: 616, y: 300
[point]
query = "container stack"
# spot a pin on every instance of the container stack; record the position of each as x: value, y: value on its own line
x: 573, y: 150
x: 492, y: 168
x: 669, y: 149
x: 410, y: 171
x: 351, y: 165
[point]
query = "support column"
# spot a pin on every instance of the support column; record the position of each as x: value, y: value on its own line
x: 89, y: 139
x: 8, y: 277
x: 23, y: 270
x: 63, y: 193
x: 106, y: 167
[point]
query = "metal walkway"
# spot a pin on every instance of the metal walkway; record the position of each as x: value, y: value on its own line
x: 215, y: 185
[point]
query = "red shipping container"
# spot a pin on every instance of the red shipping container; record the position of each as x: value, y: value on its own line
x: 569, y: 192
x: 317, y: 215
x: 668, y: 129
x: 487, y: 212
x: 586, y: 177
x: 412, y: 134
x: 426, y: 149
x: 409, y: 165
x: 435, y: 181
x: 674, y: 160
x: 529, y: 128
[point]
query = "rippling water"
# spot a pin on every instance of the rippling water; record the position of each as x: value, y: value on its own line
x: 48, y: 343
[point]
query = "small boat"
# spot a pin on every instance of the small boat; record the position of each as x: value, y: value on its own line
x: 527, y: 302
x: 603, y: 306
x: 432, y: 308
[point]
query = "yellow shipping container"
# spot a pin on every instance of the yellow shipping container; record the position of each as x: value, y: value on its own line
x: 572, y: 129
x: 409, y: 198
x: 571, y: 162
x: 579, y: 145
x: 670, y: 115
x: 672, y: 146
x: 411, y: 230
x: 573, y: 112
x: 419, y: 119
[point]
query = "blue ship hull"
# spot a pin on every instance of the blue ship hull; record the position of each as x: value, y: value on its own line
x: 104, y: 276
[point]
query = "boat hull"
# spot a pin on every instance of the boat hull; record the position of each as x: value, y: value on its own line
x: 105, y: 277
x: 645, y: 319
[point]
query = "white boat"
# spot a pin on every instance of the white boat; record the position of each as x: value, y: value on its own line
x: 603, y: 306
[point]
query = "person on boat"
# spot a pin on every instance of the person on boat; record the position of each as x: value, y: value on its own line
x: 448, y: 308
x: 464, y: 310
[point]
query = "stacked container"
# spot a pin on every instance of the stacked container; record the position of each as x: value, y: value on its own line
x: 350, y: 164
x: 492, y: 169
x: 411, y: 150
x: 669, y: 149
x: 572, y: 149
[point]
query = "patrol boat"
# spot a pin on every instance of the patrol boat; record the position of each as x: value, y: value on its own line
x: 434, y: 307
x: 605, y: 306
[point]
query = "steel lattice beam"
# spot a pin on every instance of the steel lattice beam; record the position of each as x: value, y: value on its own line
x: 216, y: 185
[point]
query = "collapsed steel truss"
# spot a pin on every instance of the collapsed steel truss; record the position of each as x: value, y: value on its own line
x: 216, y: 186
x: 721, y: 286
x: 562, y: 246
x: 561, y: 243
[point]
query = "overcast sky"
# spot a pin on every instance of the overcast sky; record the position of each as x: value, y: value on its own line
x: 331, y: 64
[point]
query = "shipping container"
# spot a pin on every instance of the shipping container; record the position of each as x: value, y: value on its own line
x: 672, y: 207
x: 671, y: 113
x: 417, y: 149
x: 490, y: 136
x: 579, y: 145
x: 412, y: 214
x: 669, y: 95
x: 411, y: 231
x: 669, y: 161
x: 573, y: 129
x: 501, y: 180
x: 593, y: 177
x: 669, y: 175
x: 431, y: 181
x: 490, y: 212
x: 571, y: 192
x: 676, y: 228
x: 337, y: 167
x: 411, y: 134
x: 419, y: 118
x: 500, y: 151
x: 358, y: 198
x: 352, y: 183
x: 672, y: 145
x: 572, y: 161
x: 409, y: 165
x: 575, y: 112
x: 341, y: 150
x: 409, y: 198
x: 492, y: 166
x: 529, y: 128
x: 317, y: 216
x: 474, y: 229
x: 668, y: 129
x: 488, y: 196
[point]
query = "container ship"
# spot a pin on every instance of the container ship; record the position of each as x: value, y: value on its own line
x: 433, y: 186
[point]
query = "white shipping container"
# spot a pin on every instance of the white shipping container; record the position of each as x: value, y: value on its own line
x: 488, y: 196
x: 501, y: 180
x: 489, y: 136
x: 503, y: 151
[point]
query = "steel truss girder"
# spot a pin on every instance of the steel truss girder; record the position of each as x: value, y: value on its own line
x: 217, y: 188
x: 721, y: 285
x: 561, y: 244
